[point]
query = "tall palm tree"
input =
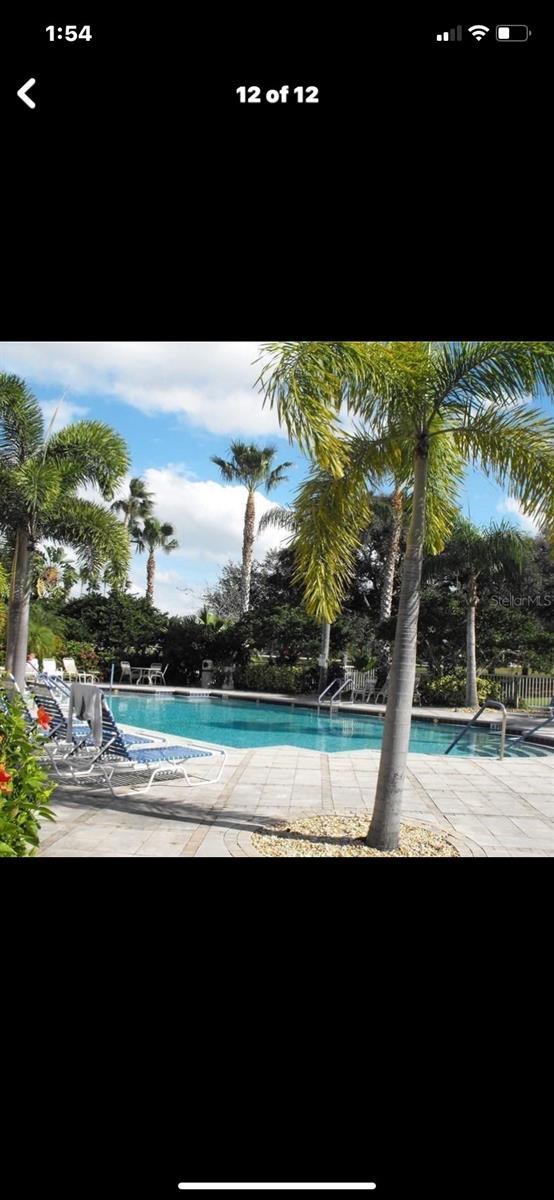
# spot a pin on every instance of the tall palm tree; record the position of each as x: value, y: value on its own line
x: 424, y: 409
x: 136, y: 505
x: 251, y: 466
x: 470, y: 557
x: 40, y: 475
x: 154, y: 535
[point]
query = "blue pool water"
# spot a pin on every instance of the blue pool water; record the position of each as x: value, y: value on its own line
x: 248, y: 724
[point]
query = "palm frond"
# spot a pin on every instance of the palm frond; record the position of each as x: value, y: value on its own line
x: 21, y: 422
x: 278, y: 517
x: 94, y: 531
x: 517, y: 449
x: 89, y: 452
x: 470, y: 375
x: 330, y: 515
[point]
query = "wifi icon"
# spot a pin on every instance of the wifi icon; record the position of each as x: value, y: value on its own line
x: 478, y: 31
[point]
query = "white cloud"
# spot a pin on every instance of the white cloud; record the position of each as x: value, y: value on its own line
x: 58, y: 413
x: 208, y: 519
x: 208, y: 516
x: 513, y: 507
x: 210, y: 383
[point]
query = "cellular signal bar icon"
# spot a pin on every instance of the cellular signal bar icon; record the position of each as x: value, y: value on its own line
x: 455, y: 35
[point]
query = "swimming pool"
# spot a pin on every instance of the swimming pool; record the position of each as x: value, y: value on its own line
x: 247, y: 724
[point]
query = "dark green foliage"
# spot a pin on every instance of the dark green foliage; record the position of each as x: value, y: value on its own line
x: 118, y: 626
x: 188, y: 642
x: 267, y: 677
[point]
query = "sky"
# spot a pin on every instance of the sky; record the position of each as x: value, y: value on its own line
x: 177, y: 404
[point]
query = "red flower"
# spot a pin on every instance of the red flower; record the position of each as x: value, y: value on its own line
x: 44, y: 719
x: 5, y: 778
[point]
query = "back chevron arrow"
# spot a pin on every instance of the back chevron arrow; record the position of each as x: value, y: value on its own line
x: 22, y: 93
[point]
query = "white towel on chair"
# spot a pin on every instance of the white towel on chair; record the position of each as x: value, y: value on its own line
x: 85, y: 700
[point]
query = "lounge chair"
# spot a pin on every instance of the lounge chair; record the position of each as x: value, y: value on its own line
x: 43, y: 692
x: 50, y: 667
x: 115, y: 757
x: 71, y: 672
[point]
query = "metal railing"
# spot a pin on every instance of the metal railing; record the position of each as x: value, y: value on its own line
x: 487, y: 704
x: 339, y: 685
x: 534, y: 729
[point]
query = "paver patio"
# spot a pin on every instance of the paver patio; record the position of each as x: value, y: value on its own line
x: 491, y: 808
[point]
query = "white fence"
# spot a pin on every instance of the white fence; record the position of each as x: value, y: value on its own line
x: 535, y: 690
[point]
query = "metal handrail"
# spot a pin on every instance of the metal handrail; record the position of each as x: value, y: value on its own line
x: 534, y: 729
x: 327, y: 689
x: 487, y: 704
x: 342, y: 684
x: 335, y: 696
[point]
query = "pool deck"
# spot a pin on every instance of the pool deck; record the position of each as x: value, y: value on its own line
x: 490, y: 809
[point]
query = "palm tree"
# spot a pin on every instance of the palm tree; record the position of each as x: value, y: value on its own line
x: 211, y: 620
x: 154, y: 535
x: 40, y: 475
x: 473, y: 555
x: 136, y: 505
x: 425, y: 409
x: 251, y: 466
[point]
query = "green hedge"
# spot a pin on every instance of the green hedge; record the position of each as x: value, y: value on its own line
x: 264, y: 677
x: 451, y: 689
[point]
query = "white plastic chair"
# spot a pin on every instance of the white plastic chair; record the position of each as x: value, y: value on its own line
x: 71, y: 672
x: 155, y: 673
x: 49, y: 667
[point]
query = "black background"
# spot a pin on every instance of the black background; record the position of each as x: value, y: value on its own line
x: 273, y: 1021
x: 150, y: 203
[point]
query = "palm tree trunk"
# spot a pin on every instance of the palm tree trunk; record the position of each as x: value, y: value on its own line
x: 384, y: 830
x: 17, y: 634
x: 392, y: 555
x: 150, y: 572
x: 324, y: 656
x: 247, y: 552
x: 472, y: 698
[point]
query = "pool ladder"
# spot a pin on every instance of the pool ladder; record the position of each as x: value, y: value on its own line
x: 487, y: 704
x: 340, y: 686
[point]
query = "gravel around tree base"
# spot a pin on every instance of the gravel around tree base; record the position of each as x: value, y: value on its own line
x: 330, y: 836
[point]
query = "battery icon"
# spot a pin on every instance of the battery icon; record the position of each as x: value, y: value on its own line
x: 512, y: 33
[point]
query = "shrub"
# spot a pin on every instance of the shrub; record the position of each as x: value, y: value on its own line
x: 119, y: 626
x: 451, y: 689
x: 24, y: 785
x: 85, y: 655
x: 267, y: 677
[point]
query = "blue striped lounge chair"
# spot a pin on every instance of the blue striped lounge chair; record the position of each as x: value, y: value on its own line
x: 57, y: 703
x: 115, y: 758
